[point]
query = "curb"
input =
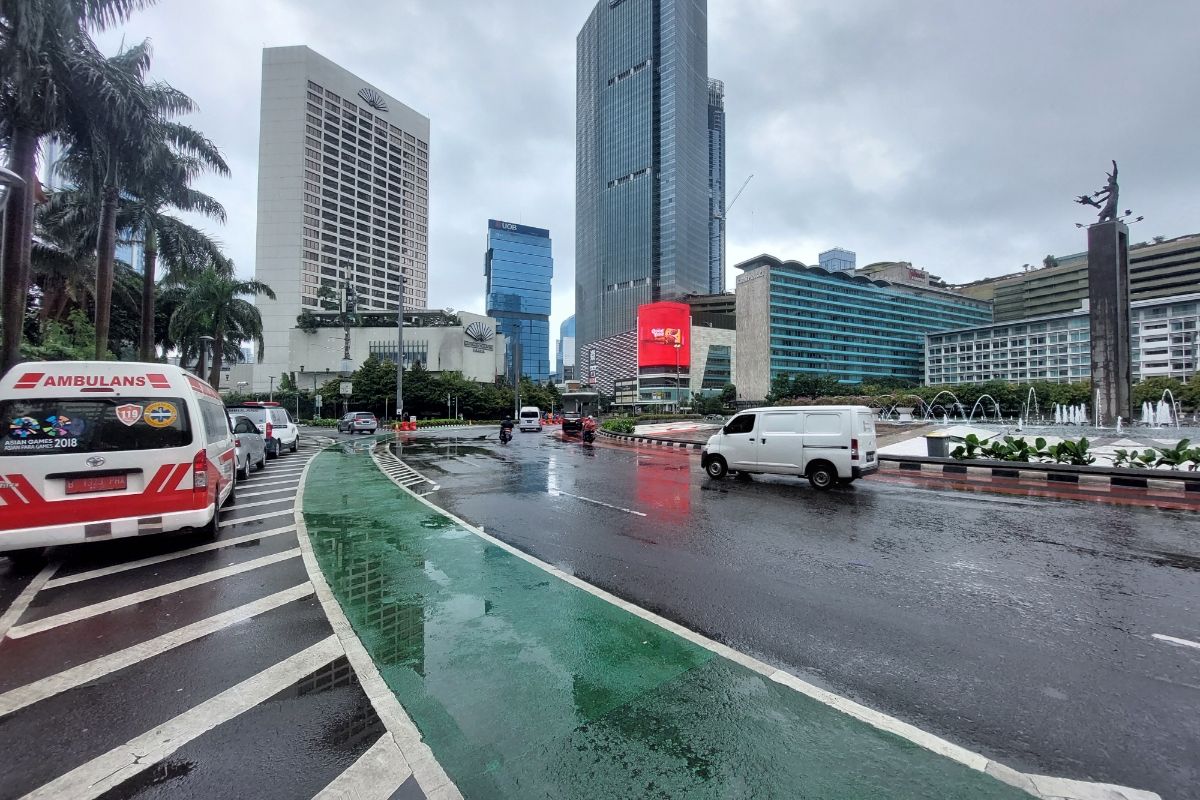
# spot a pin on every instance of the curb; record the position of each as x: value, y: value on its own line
x: 651, y: 441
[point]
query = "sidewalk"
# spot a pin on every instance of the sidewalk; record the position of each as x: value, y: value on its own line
x: 524, y: 685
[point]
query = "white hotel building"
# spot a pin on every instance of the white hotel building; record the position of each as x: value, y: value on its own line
x: 343, y: 196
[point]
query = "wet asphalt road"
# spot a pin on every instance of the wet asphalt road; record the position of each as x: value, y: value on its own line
x: 216, y: 656
x: 1019, y: 628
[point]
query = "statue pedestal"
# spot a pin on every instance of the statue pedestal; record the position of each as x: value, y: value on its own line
x: 1108, y: 301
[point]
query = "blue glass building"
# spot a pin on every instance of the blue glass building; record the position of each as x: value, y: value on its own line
x: 642, y: 207
x: 794, y: 319
x: 519, y: 265
x: 564, y: 351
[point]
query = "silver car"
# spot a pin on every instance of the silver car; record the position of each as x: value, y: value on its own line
x: 248, y: 445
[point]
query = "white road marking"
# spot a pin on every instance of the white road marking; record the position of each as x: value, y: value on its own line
x: 376, y: 775
x: 597, y: 502
x: 242, y: 494
x: 1062, y: 789
x: 239, y: 520
x: 145, y: 562
x: 97, y: 776
x: 17, y: 699
x: 283, y: 486
x: 1175, y: 640
x: 14, y: 612
x: 240, y: 505
x: 87, y: 612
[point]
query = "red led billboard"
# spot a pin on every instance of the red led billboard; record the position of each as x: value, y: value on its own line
x: 660, y: 327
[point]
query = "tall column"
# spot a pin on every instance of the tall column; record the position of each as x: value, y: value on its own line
x: 1108, y: 299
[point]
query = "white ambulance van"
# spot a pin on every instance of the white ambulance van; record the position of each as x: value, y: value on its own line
x: 95, y: 450
x: 827, y: 444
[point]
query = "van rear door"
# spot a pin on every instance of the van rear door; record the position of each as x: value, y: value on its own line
x: 864, y: 432
x: 827, y: 437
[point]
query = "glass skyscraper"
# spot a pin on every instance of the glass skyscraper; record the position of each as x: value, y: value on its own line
x: 716, y: 187
x: 642, y: 205
x: 564, y: 350
x: 519, y: 266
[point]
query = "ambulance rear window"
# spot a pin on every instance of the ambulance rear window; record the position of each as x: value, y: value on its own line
x: 45, y: 426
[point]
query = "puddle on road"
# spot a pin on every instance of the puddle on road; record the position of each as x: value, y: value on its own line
x: 525, y: 686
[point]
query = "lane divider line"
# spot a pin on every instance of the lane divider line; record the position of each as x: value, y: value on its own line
x: 597, y: 502
x: 14, y: 611
x: 79, y: 577
x: 118, y: 765
x: 242, y: 494
x: 425, y: 767
x: 1176, y: 640
x: 240, y: 505
x: 16, y: 699
x: 229, y: 523
x: 1042, y: 786
x: 96, y: 609
x: 378, y: 773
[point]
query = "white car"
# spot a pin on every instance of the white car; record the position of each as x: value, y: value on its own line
x: 530, y: 419
x: 827, y: 444
x: 274, y: 423
x: 248, y: 444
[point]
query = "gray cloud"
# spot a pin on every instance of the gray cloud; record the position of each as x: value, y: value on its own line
x: 950, y: 134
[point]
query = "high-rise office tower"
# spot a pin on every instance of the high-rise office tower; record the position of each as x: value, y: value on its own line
x: 642, y: 210
x: 716, y: 187
x: 518, y: 266
x: 565, y: 350
x: 343, y: 196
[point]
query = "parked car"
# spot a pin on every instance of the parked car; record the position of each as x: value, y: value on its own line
x: 274, y: 423
x: 104, y: 449
x: 827, y: 444
x: 358, y: 422
x: 248, y: 444
x: 530, y: 419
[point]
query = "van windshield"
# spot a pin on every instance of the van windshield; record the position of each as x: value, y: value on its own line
x: 42, y: 426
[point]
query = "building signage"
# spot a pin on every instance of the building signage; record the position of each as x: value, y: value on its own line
x: 664, y: 335
x: 513, y: 227
x: 478, y: 337
x: 373, y: 98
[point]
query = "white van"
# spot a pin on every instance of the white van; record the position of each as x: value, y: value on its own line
x: 828, y: 444
x: 101, y: 450
x: 530, y: 418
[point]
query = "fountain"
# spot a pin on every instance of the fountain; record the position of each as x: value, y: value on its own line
x: 929, y: 406
x: 1031, y: 400
x: 1147, y: 414
x: 1172, y: 409
x: 1119, y: 421
x: 979, y: 404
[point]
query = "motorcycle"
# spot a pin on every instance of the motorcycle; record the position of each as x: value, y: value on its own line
x: 589, y: 436
x: 505, y: 435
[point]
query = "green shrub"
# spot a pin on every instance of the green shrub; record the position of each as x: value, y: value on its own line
x: 618, y: 425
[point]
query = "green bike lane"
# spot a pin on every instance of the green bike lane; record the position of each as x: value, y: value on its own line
x: 524, y: 685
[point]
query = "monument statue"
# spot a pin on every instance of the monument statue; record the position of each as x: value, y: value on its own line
x: 1108, y: 211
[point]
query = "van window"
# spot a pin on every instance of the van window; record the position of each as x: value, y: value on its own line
x: 743, y: 423
x: 529, y: 415
x: 822, y: 423
x: 780, y: 423
x: 867, y: 422
x: 279, y: 417
x: 93, y: 425
x: 216, y: 425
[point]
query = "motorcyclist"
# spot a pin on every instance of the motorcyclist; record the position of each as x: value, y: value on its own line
x: 506, y: 428
x: 588, y: 426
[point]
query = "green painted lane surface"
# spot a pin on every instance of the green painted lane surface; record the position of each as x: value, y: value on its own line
x: 525, y: 686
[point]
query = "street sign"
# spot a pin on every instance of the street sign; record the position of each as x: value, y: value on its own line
x: 317, y: 401
x: 347, y: 388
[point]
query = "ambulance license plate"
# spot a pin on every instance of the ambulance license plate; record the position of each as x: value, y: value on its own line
x: 95, y: 483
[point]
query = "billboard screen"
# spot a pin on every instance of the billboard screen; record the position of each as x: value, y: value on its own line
x: 660, y: 327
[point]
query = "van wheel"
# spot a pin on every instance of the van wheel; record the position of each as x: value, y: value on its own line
x: 213, y: 528
x: 822, y: 476
x: 26, y: 561
x: 244, y: 472
x: 273, y: 448
x: 262, y: 462
x: 295, y: 444
x: 716, y: 468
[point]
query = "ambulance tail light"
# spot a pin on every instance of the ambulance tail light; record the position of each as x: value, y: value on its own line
x: 200, y: 472
x: 854, y: 449
x: 269, y: 431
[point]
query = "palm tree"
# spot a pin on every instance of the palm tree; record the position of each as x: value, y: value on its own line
x: 114, y: 142
x: 213, y: 305
x: 41, y: 42
x: 163, y: 182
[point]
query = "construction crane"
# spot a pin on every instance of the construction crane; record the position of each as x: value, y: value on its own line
x: 739, y: 194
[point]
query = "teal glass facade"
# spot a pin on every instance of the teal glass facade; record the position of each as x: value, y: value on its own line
x: 519, y: 266
x: 856, y: 329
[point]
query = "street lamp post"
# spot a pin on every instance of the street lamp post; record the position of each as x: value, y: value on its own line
x: 204, y: 343
x: 400, y: 355
x: 677, y: 377
x: 271, y: 389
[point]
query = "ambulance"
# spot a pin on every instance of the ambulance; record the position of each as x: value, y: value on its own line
x: 95, y: 450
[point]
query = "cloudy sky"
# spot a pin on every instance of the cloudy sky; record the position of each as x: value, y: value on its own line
x: 948, y: 133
